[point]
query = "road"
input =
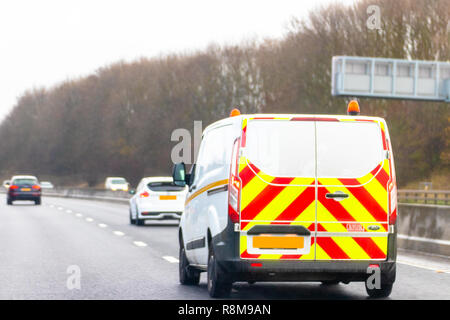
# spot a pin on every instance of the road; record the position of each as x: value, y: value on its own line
x: 116, y: 260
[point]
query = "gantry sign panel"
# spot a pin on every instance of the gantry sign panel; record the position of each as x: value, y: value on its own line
x: 390, y: 78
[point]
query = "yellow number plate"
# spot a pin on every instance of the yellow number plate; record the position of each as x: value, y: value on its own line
x: 278, y: 242
x: 25, y: 189
x: 167, y: 197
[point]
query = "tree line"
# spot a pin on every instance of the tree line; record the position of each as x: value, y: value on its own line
x: 119, y: 119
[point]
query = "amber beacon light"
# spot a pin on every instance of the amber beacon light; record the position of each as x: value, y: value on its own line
x: 235, y: 112
x: 353, y: 108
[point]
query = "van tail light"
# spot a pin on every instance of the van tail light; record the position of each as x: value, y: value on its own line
x: 144, y: 194
x: 392, y: 203
x: 234, y: 185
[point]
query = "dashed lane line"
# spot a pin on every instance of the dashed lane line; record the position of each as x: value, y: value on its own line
x: 171, y: 259
x: 139, y: 244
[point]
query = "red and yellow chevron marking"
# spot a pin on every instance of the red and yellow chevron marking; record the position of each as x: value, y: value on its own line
x: 270, y: 200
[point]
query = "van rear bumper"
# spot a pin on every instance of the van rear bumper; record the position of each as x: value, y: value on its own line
x: 285, y: 270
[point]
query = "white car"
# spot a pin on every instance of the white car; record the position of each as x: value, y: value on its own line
x: 116, y: 184
x: 47, y: 185
x: 157, y: 198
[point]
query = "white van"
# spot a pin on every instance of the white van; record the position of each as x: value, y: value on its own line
x: 276, y: 197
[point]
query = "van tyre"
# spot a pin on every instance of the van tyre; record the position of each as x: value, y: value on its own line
x: 384, y: 292
x: 140, y: 222
x: 217, y: 286
x: 188, y: 276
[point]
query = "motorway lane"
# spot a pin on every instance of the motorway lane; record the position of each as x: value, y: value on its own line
x: 122, y: 261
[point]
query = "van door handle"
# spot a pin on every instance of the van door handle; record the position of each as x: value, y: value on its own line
x: 338, y: 195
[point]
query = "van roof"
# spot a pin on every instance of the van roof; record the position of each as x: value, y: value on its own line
x: 282, y: 115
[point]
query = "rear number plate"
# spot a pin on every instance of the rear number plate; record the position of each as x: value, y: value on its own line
x: 278, y: 242
x: 25, y: 189
x: 167, y: 197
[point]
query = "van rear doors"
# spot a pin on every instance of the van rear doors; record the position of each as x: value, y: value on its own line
x: 313, y: 188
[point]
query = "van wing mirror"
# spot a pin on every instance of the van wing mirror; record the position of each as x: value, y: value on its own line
x: 179, y: 174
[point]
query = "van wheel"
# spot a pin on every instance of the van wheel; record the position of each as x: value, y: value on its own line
x: 384, y: 292
x: 187, y: 275
x: 132, y: 221
x: 216, y: 287
x: 140, y: 222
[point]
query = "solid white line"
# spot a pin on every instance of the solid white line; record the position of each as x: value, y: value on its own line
x: 89, y: 219
x: 423, y: 267
x: 437, y: 241
x: 140, y: 243
x: 102, y: 225
x: 119, y: 233
x: 171, y: 259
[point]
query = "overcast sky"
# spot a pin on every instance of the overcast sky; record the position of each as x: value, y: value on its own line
x: 44, y: 42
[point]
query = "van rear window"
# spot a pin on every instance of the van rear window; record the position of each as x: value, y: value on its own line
x: 348, y: 149
x: 282, y: 148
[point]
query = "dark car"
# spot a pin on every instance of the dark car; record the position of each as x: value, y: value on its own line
x: 24, y: 188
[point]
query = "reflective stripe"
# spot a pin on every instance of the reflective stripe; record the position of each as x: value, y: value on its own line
x: 206, y: 188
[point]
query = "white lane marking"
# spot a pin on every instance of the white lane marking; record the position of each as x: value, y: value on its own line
x: 60, y: 208
x: 437, y: 241
x: 89, y: 219
x: 171, y: 259
x: 52, y: 206
x: 423, y: 266
x: 139, y: 243
x: 69, y: 211
x: 102, y: 225
x: 79, y: 215
x: 119, y: 233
